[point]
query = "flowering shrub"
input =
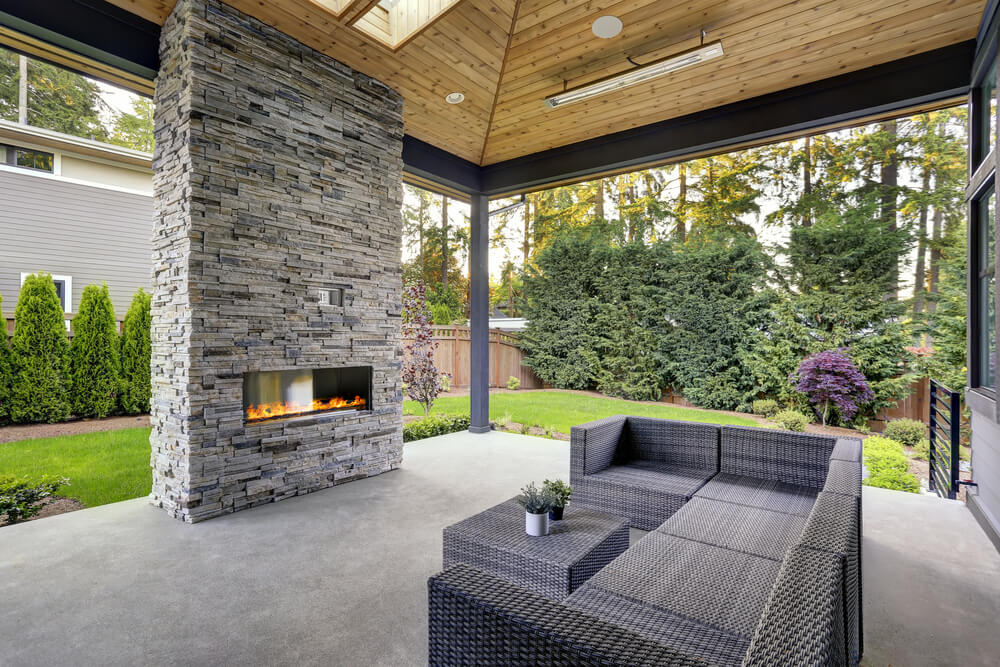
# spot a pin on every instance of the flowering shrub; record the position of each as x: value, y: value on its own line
x: 420, y: 376
x: 830, y: 379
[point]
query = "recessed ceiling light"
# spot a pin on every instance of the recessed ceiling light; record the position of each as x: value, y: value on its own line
x: 454, y: 98
x: 607, y: 27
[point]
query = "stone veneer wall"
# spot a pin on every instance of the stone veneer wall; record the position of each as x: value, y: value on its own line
x: 277, y: 171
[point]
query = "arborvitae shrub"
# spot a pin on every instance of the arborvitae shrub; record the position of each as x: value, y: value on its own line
x: 94, y: 367
x: 5, y: 377
x: 39, y: 354
x: 135, y: 354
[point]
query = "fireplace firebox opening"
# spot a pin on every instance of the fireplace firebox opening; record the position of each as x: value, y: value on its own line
x: 302, y: 392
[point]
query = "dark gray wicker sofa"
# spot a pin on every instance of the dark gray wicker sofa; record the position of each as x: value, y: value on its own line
x: 756, y: 563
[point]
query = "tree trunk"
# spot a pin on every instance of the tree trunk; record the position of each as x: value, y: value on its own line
x: 444, y: 242
x: 919, y: 277
x: 599, y: 199
x: 530, y: 202
x: 889, y: 182
x: 682, y: 194
x: 22, y: 90
x: 807, y: 182
x: 420, y: 236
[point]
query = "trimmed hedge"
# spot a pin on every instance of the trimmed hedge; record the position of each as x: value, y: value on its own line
x: 887, y: 465
x: 39, y: 352
x: 94, y: 368
x: 790, y: 420
x: 5, y: 377
x: 135, y: 354
x: 440, y: 424
x: 767, y: 407
x: 906, y: 431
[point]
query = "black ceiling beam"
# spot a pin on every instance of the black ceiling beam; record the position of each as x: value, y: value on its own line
x: 93, y: 28
x: 434, y: 164
x: 925, y: 78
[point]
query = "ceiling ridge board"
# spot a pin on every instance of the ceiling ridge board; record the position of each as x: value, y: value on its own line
x: 496, y: 93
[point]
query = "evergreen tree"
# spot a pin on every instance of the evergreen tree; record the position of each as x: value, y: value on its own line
x: 709, y: 308
x: 561, y: 306
x: 5, y: 374
x: 135, y: 130
x: 94, y: 366
x: 135, y: 356
x: 39, y: 354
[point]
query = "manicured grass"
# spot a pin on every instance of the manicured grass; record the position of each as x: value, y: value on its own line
x: 102, y: 467
x: 558, y: 410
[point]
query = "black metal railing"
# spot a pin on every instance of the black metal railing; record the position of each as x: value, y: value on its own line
x: 945, y: 427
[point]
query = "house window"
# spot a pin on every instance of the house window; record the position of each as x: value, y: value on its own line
x: 27, y: 158
x: 986, y: 110
x: 984, y: 291
x: 64, y: 290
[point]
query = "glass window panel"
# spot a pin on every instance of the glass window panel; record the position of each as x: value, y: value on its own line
x: 984, y: 271
x: 987, y: 121
x: 34, y: 159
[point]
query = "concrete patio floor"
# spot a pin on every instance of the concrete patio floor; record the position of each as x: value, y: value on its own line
x: 339, y: 577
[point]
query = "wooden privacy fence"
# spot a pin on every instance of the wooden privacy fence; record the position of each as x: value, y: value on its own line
x: 452, y: 357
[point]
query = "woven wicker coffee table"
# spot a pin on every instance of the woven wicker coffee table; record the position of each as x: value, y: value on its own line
x: 554, y: 565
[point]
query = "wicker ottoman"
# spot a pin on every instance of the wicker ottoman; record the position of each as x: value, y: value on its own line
x: 555, y: 565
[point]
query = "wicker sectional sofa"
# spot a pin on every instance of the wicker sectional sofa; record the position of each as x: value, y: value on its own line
x: 753, y: 557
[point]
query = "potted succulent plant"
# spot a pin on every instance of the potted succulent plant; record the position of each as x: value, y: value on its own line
x: 537, y: 503
x: 561, y: 491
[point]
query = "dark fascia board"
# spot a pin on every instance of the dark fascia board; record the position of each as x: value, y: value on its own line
x: 434, y: 164
x: 987, y: 23
x: 895, y: 86
x: 93, y: 28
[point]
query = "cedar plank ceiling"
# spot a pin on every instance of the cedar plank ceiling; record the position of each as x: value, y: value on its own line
x: 507, y: 55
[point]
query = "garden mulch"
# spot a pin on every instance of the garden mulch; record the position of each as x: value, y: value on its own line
x: 16, y: 432
x: 52, y: 506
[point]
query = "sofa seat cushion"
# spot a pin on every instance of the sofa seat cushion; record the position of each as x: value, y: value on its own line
x: 763, y: 493
x: 718, y: 594
x: 752, y: 530
x: 714, y: 646
x: 645, y: 492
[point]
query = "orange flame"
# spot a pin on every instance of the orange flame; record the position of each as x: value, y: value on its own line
x: 282, y: 409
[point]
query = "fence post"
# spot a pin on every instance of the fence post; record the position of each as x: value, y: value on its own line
x: 956, y: 428
x: 933, y: 435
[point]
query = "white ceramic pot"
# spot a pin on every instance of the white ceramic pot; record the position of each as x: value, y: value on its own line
x: 536, y: 524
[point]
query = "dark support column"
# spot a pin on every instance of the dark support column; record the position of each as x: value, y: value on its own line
x: 479, y: 315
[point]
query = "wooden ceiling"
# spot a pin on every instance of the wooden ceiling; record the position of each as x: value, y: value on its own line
x: 507, y: 55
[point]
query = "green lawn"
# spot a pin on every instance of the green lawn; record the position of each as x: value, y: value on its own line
x: 102, y: 467
x: 558, y: 410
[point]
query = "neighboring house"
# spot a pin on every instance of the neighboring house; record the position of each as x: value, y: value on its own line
x: 81, y: 210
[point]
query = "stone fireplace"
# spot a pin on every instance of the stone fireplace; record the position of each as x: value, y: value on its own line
x: 277, y: 281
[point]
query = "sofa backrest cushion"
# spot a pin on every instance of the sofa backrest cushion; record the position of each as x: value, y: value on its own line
x: 681, y: 444
x: 782, y: 456
x: 594, y: 445
x: 803, y: 620
x: 834, y: 525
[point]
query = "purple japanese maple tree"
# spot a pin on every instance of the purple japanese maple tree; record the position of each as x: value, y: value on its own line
x: 420, y: 375
x: 831, y: 378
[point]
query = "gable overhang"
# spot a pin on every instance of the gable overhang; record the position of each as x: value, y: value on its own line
x: 94, y: 37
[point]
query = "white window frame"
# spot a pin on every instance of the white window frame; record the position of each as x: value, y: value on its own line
x: 67, y: 291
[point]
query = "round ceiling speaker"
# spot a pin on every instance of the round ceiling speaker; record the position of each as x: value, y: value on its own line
x: 607, y: 27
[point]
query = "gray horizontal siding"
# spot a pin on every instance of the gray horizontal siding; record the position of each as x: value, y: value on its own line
x: 93, y: 234
x: 986, y: 463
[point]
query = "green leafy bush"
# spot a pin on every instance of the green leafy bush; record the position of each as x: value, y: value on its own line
x: 906, y: 431
x: 767, y: 407
x: 513, y: 383
x: 790, y: 420
x: 135, y: 356
x: 887, y: 465
x: 21, y: 499
x: 441, y: 314
x: 5, y: 375
x: 94, y: 367
x: 428, y: 427
x: 39, y: 354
